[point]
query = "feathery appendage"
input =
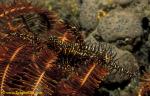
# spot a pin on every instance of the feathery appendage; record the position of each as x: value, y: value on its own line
x: 34, y: 78
x: 144, y: 85
x: 84, y: 82
x: 11, y: 61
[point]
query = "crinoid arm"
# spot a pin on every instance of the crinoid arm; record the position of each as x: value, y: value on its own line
x: 144, y: 85
x: 84, y: 82
x: 11, y: 61
x: 36, y: 77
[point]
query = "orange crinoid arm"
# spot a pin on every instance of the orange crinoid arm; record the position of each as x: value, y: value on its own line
x: 84, y: 82
x: 144, y: 85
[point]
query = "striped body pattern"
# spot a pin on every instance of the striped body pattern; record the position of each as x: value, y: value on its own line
x: 41, y: 55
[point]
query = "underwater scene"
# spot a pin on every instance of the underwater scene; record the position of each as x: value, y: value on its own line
x: 74, y: 47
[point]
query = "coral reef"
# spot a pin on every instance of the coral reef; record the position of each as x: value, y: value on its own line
x: 41, y: 54
x: 107, y: 53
